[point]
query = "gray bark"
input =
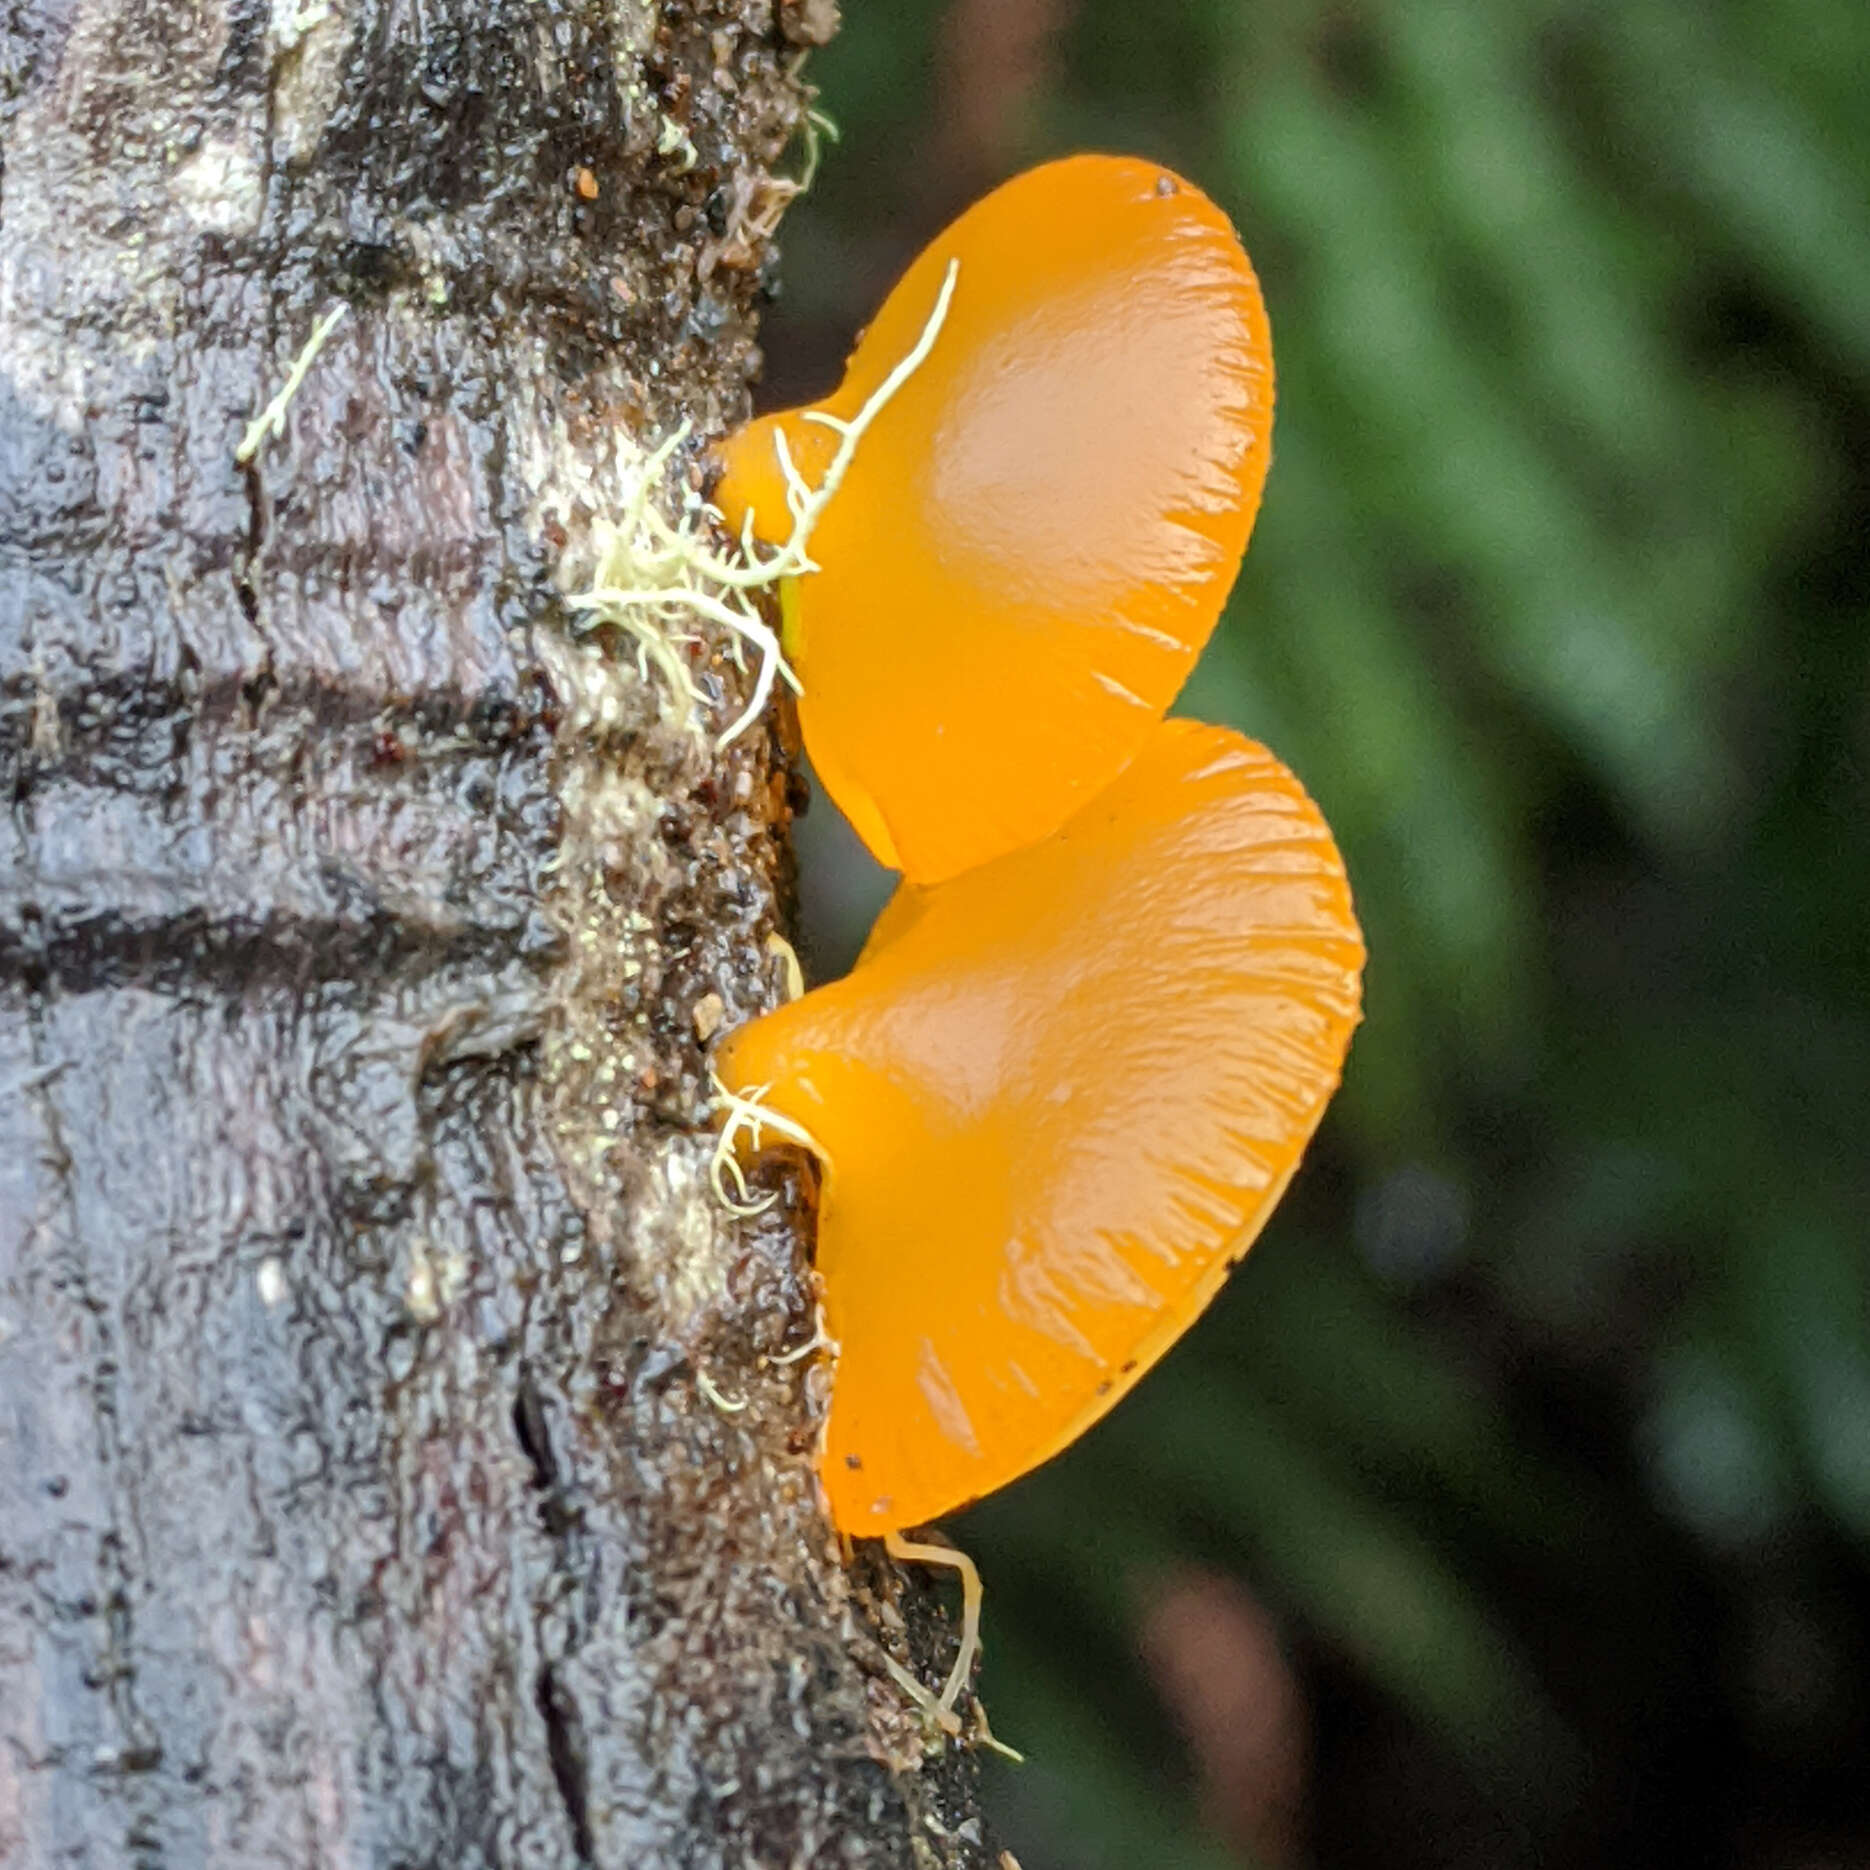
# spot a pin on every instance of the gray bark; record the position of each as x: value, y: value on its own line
x: 360, y: 1499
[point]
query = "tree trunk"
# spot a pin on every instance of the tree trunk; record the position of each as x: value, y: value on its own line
x: 362, y: 1496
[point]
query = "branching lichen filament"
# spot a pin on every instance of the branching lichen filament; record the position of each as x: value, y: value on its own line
x: 747, y: 1115
x: 653, y: 575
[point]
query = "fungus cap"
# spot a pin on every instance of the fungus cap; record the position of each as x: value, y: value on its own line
x: 1037, y: 533
x: 1055, y: 1101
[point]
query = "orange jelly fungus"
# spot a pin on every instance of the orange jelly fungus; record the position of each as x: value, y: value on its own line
x: 1039, y: 530
x: 1054, y: 1102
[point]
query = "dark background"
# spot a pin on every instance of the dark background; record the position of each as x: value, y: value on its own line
x: 1512, y: 1506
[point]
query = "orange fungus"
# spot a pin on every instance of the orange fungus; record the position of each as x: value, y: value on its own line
x: 1054, y: 1102
x: 1038, y: 530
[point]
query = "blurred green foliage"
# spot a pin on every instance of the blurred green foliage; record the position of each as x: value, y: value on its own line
x: 1541, y: 1417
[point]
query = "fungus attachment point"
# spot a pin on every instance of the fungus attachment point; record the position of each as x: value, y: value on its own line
x: 1045, y: 517
x: 1054, y: 1102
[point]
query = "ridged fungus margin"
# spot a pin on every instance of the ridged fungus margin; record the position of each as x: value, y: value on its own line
x: 1053, y: 1103
x: 1091, y: 1035
x: 1037, y: 536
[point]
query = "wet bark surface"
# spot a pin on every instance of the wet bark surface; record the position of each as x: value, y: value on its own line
x: 394, y: 1469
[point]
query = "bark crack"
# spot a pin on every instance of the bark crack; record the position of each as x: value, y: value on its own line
x: 248, y: 564
x: 564, y: 1739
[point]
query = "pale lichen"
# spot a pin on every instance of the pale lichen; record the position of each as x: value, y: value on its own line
x: 271, y: 421
x: 747, y: 1115
x: 656, y: 580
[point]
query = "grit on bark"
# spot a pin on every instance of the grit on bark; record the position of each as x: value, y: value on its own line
x: 362, y: 1501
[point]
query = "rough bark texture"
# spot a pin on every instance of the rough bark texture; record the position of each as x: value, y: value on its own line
x: 360, y: 1499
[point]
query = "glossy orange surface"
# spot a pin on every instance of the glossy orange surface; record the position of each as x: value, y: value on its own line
x: 1038, y: 533
x: 1056, y: 1099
